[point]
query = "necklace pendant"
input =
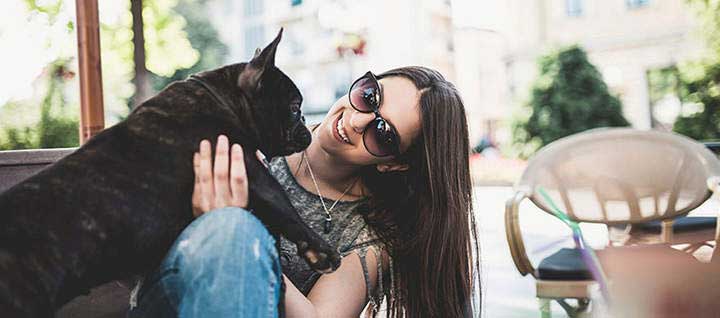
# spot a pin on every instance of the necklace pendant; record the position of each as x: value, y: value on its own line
x: 328, y: 226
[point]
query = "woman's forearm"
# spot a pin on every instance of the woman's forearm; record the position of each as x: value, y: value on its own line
x: 296, y: 304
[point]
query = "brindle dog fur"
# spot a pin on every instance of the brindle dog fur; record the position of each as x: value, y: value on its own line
x: 113, y: 208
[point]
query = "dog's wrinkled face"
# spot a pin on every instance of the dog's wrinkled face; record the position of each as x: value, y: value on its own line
x: 282, y: 127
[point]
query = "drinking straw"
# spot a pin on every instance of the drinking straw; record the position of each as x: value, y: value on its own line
x: 588, y: 254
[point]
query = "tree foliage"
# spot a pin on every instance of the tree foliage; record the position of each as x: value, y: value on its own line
x: 700, y: 80
x: 179, y: 40
x: 702, y: 94
x: 202, y: 36
x: 57, y: 127
x: 568, y: 97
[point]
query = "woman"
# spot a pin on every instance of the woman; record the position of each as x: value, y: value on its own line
x: 385, y: 179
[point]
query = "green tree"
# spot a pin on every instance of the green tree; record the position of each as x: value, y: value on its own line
x: 700, y: 80
x: 45, y: 119
x: 141, y: 77
x: 168, y: 28
x: 57, y: 129
x: 58, y: 126
x: 703, y: 94
x: 202, y: 36
x: 568, y: 97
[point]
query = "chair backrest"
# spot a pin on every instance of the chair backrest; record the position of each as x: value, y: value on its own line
x: 18, y: 165
x: 621, y: 175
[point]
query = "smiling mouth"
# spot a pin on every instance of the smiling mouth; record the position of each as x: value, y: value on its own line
x: 339, y: 130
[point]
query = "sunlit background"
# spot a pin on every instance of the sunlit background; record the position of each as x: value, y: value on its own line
x: 502, y: 55
x: 489, y: 49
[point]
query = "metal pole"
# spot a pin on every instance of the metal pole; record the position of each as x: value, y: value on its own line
x: 92, y: 119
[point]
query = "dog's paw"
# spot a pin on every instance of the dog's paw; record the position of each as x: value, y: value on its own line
x: 322, y: 262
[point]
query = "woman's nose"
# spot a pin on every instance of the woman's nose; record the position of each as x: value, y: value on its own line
x: 358, y: 120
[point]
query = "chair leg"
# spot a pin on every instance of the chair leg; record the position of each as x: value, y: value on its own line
x: 694, y: 247
x: 583, y: 304
x: 577, y: 311
x: 571, y: 312
x: 545, y: 311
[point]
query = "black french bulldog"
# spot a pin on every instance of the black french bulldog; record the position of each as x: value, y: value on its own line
x: 113, y: 208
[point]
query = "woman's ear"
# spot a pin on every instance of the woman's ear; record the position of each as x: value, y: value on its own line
x: 391, y: 166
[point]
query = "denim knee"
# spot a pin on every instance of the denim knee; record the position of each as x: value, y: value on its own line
x: 222, y: 233
x: 223, y: 262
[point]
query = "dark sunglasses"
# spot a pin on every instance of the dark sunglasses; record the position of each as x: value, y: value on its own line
x: 379, y: 137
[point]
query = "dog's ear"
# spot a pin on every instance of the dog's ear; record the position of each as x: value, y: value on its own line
x: 249, y: 78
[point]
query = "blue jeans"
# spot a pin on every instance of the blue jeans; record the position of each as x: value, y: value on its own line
x: 224, y: 264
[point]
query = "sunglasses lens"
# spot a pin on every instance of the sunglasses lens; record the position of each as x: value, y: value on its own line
x: 364, y: 95
x: 380, y: 139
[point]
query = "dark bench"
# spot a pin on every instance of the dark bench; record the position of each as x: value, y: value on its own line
x: 106, y: 301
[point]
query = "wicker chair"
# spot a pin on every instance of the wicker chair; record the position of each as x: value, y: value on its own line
x: 695, y: 231
x: 609, y: 176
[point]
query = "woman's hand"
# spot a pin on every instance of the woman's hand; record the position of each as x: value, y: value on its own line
x: 221, y: 184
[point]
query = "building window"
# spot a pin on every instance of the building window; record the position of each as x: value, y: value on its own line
x: 254, y: 36
x: 632, y: 4
x: 573, y: 8
x: 253, y: 8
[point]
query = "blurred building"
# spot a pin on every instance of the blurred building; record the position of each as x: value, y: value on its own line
x: 625, y: 39
x: 327, y: 44
x: 487, y: 48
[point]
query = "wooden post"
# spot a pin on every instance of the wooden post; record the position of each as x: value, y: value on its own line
x: 92, y: 117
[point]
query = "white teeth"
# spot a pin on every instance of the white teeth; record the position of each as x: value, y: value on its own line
x: 341, y: 131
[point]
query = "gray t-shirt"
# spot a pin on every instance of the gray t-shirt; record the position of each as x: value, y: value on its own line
x: 349, y: 232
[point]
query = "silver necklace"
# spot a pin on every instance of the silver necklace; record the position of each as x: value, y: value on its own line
x: 328, y: 216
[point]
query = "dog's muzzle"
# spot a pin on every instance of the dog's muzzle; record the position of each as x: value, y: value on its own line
x: 299, y: 136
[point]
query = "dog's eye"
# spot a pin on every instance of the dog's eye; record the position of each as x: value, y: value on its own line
x: 295, y: 114
x: 295, y: 108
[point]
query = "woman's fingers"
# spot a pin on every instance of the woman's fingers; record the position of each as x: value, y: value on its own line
x: 220, y: 181
x: 207, y: 192
x: 238, y: 178
x: 221, y: 174
x: 196, y: 196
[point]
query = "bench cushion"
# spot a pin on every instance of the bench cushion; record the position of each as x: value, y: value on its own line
x: 681, y: 225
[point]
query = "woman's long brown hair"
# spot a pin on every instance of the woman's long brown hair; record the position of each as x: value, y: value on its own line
x: 424, y: 215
